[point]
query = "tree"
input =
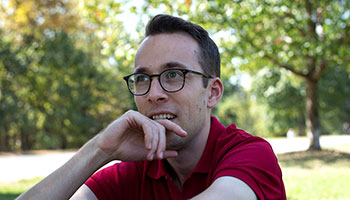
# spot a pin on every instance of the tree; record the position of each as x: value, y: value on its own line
x: 283, y: 94
x: 305, y: 38
x: 11, y: 76
x: 236, y: 106
x: 335, y: 101
x: 57, y: 89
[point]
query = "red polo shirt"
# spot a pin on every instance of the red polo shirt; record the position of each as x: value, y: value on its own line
x: 228, y: 152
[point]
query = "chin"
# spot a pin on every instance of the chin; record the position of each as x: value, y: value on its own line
x: 174, y: 142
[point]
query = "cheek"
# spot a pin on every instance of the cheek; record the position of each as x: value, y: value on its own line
x: 202, y: 105
x: 199, y: 104
x: 203, y: 100
x: 139, y: 103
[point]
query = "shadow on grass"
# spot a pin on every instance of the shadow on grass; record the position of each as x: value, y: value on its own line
x: 8, y: 196
x: 309, y: 159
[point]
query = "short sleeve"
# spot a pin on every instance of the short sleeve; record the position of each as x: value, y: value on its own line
x: 254, y: 162
x: 114, y: 181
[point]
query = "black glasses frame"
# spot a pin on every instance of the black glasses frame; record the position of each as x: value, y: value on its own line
x: 184, y: 71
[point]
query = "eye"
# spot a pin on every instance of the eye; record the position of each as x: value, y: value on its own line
x: 140, y: 78
x: 172, y: 74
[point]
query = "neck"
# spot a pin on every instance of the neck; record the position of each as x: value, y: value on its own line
x: 189, y: 156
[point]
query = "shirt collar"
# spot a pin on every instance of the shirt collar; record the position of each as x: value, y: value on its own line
x: 157, y: 167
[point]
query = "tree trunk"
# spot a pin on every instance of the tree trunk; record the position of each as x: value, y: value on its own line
x: 312, y: 119
x: 27, y: 141
x: 301, y: 123
x: 64, y: 142
x: 5, y: 139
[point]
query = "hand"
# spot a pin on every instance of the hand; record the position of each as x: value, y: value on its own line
x: 134, y: 137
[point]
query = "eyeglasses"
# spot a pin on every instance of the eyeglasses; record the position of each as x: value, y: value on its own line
x: 171, y: 80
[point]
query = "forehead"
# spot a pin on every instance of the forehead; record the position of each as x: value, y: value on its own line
x: 156, y: 51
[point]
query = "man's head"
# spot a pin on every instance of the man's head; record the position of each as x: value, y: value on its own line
x: 158, y: 93
x: 209, y: 57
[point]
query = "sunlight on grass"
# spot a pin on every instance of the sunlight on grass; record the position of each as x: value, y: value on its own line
x: 11, y: 190
x: 324, y: 183
x: 342, y: 147
x: 316, y: 175
x: 307, y: 175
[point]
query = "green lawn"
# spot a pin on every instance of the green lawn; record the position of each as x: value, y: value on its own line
x: 307, y: 176
x: 316, y: 175
x: 9, y: 191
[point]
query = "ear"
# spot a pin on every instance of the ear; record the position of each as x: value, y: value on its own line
x: 215, y: 92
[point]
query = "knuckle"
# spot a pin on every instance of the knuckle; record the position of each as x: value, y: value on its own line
x: 130, y: 112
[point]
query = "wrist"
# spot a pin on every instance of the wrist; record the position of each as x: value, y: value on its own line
x: 93, y: 156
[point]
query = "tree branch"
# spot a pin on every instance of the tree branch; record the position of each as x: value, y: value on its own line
x: 290, y: 15
x: 311, y: 24
x: 319, y: 70
x: 344, y: 39
x: 287, y: 67
x: 276, y: 62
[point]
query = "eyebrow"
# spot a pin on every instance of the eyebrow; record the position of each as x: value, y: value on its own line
x: 163, y: 67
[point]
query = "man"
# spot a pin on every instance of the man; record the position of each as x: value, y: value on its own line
x: 171, y: 148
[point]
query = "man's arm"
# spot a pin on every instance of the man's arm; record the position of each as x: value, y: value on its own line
x: 62, y: 183
x: 227, y: 187
x: 132, y: 137
x: 85, y: 193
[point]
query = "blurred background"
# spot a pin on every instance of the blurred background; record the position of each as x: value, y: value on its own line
x: 285, y: 67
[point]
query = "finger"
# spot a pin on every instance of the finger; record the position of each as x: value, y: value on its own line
x: 169, y: 154
x: 150, y: 156
x: 136, y: 120
x: 155, y: 139
x: 148, y: 129
x: 148, y: 138
x: 173, y: 127
x: 161, y: 142
x: 151, y: 131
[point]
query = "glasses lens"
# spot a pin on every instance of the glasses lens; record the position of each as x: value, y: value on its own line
x: 172, y: 80
x: 139, y: 83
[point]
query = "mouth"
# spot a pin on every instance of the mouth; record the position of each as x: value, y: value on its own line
x: 163, y: 116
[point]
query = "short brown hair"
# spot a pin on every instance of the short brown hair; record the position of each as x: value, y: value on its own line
x: 209, y: 57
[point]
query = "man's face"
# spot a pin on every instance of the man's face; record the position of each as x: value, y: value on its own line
x: 187, y: 107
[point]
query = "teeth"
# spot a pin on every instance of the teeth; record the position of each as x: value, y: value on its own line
x: 163, y: 116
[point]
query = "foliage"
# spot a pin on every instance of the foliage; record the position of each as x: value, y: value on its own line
x: 306, y: 38
x: 57, y: 89
x: 335, y: 101
x: 238, y: 107
x: 284, y: 99
x: 11, y: 79
x: 281, y: 92
x: 62, y: 63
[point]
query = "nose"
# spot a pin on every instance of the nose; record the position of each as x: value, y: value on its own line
x: 156, y: 94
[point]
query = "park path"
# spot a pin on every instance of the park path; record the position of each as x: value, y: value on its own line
x: 16, y: 167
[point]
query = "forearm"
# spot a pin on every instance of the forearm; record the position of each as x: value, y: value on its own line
x: 132, y: 137
x: 62, y: 183
x: 227, y: 187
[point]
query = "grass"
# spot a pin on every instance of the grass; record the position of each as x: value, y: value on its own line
x: 308, y: 175
x: 9, y: 191
x: 316, y: 175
